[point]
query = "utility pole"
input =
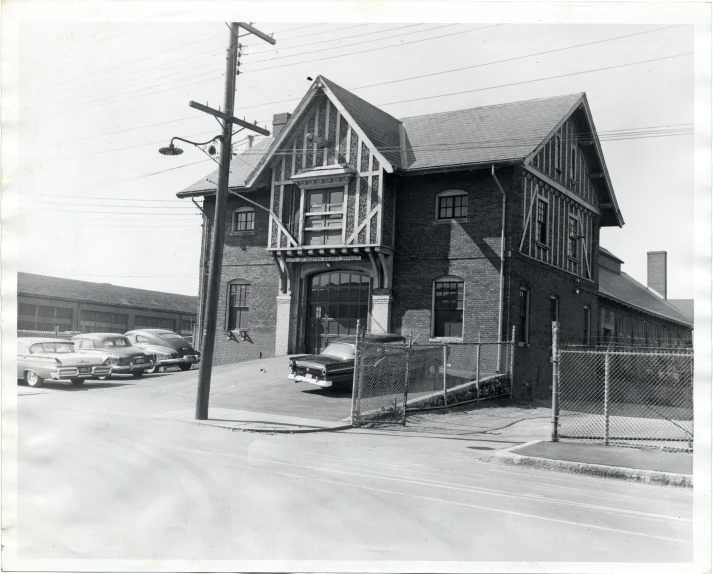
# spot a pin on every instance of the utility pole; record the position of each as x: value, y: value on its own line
x: 221, y: 199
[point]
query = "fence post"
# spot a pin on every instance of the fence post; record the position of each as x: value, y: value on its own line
x: 477, y: 370
x: 607, y: 373
x: 408, y: 367
x: 555, y: 379
x: 445, y: 375
x: 355, y: 382
x: 512, y: 361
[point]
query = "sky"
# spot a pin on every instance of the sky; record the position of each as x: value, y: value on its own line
x: 97, y: 201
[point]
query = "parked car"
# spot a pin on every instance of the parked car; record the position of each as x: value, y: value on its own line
x: 335, y: 364
x: 116, y: 351
x: 168, y: 347
x: 40, y: 358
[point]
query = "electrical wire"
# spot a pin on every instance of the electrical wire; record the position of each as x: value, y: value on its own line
x: 453, y: 70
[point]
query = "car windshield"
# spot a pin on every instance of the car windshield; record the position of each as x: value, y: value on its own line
x: 339, y: 351
x: 116, y: 342
x: 170, y: 336
x: 52, y: 348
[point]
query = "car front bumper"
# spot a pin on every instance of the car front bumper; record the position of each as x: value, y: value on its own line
x: 178, y: 361
x: 128, y: 369
x: 324, y: 383
x: 74, y: 373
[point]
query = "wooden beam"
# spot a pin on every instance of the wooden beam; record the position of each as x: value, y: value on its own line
x: 226, y: 117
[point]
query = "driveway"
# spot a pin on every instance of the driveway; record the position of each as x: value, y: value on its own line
x: 259, y: 386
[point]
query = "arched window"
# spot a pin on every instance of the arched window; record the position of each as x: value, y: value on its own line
x: 448, y: 307
x: 452, y: 204
x: 238, y: 311
x: 243, y: 219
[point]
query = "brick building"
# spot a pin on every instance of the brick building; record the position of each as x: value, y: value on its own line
x: 47, y: 303
x: 448, y: 227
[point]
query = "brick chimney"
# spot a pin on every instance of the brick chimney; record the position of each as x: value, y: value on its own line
x: 656, y: 272
x: 279, y: 121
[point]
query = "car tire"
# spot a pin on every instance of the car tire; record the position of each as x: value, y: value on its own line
x: 137, y: 373
x: 185, y: 366
x: 77, y: 382
x: 104, y: 377
x: 155, y: 370
x: 33, y: 379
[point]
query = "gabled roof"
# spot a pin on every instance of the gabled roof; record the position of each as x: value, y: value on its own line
x: 622, y: 288
x: 30, y: 284
x: 479, y: 136
x: 483, y: 135
x: 685, y: 306
x: 240, y: 168
x: 609, y: 254
x: 380, y: 128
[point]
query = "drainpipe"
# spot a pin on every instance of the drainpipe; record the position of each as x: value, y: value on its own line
x: 502, y: 269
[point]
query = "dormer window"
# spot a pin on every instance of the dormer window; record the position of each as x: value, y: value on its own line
x: 324, y: 217
x: 452, y: 205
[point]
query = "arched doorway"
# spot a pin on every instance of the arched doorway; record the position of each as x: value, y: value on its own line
x: 335, y: 301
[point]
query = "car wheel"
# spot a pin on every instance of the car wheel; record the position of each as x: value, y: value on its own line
x: 185, y: 366
x: 137, y: 373
x: 156, y: 369
x: 104, y: 377
x: 33, y: 379
x: 77, y: 382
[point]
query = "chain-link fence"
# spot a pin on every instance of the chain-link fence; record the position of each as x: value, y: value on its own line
x: 632, y: 397
x: 392, y: 379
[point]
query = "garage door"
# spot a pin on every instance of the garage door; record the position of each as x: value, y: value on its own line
x: 336, y: 301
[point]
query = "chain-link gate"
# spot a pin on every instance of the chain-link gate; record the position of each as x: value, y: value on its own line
x: 641, y: 397
x: 391, y: 378
x: 380, y: 383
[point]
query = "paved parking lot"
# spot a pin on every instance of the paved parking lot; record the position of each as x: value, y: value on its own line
x: 259, y: 386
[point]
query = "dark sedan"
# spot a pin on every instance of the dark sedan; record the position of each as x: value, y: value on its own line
x: 335, y: 364
x: 169, y: 348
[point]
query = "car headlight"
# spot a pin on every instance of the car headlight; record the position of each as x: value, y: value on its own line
x: 59, y: 363
x: 324, y: 371
x: 292, y: 365
x: 112, y: 362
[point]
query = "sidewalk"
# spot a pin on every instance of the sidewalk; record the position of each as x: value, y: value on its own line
x: 639, y: 465
x: 239, y: 420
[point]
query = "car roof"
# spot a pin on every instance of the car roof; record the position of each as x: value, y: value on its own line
x: 152, y: 331
x: 373, y: 337
x: 33, y: 340
x: 97, y: 335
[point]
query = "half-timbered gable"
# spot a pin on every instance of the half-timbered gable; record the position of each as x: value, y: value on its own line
x: 566, y: 195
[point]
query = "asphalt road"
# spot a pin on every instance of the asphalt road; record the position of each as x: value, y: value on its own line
x: 100, y: 478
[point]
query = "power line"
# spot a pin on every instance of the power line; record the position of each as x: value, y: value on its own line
x: 161, y: 207
x: 123, y: 97
x: 182, y: 69
x: 181, y: 65
x: 93, y: 198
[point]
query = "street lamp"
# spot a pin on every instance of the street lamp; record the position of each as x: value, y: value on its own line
x: 174, y: 150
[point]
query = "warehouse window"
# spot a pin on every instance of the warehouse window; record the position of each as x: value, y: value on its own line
x: 186, y: 327
x: 524, y: 316
x: 146, y: 322
x: 452, y: 204
x: 243, y: 219
x: 238, y: 304
x: 43, y: 317
x: 448, y: 307
x: 103, y: 322
x: 558, y: 155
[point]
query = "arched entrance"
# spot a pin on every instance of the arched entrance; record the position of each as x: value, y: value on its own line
x: 335, y: 301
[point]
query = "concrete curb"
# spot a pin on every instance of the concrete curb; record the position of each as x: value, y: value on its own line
x: 615, y: 472
x: 257, y: 429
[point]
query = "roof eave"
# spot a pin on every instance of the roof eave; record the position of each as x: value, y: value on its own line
x: 646, y: 311
x: 459, y: 166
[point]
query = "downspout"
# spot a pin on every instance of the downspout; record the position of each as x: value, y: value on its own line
x: 205, y: 241
x: 502, y: 269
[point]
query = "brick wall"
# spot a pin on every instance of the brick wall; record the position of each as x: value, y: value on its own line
x: 246, y: 258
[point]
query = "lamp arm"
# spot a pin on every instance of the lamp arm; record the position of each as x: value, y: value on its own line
x: 218, y: 138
